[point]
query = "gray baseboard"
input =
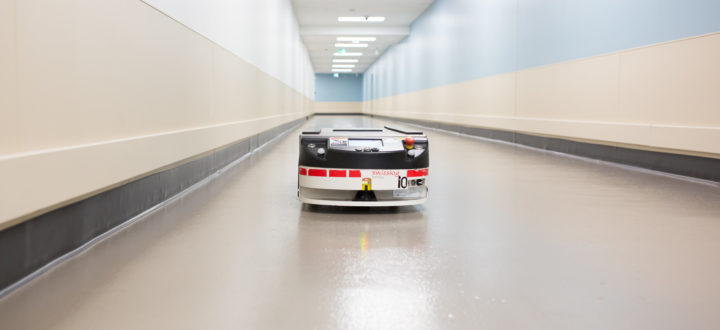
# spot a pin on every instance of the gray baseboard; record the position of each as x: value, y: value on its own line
x: 704, y: 168
x: 32, y: 244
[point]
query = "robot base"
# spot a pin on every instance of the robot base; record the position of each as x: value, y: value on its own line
x: 350, y: 198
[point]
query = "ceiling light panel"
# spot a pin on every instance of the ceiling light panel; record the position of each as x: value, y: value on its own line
x: 352, y: 45
x: 343, y: 65
x: 356, y: 39
x: 368, y: 19
x: 341, y: 70
x: 348, y: 54
x: 349, y: 60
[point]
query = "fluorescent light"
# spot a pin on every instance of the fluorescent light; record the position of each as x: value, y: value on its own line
x: 361, y: 19
x: 343, y: 65
x: 341, y: 70
x: 358, y: 39
x: 350, y: 60
x: 348, y: 54
x: 352, y: 45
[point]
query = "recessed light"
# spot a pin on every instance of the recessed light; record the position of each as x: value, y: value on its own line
x: 361, y: 19
x: 348, y: 54
x: 352, y: 60
x: 356, y: 39
x: 341, y: 70
x: 352, y: 45
x: 343, y: 65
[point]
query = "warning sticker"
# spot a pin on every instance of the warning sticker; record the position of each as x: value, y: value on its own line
x: 338, y: 142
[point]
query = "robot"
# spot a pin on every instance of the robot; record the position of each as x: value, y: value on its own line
x: 363, y: 167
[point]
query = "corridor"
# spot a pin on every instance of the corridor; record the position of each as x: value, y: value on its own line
x: 511, y: 238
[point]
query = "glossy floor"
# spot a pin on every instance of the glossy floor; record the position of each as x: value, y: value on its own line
x: 511, y: 238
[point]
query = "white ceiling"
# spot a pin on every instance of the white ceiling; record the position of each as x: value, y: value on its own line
x: 319, y: 27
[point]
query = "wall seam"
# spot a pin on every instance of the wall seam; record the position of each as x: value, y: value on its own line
x: 154, y: 171
x: 619, y: 105
x: 516, y: 77
x: 617, y: 123
x: 213, y: 82
x: 137, y: 137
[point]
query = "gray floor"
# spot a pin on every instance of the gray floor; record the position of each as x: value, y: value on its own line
x: 511, y: 238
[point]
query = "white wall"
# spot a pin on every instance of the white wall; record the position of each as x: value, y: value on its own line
x: 96, y: 93
x: 264, y: 33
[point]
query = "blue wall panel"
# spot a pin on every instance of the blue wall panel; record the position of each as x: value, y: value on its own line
x: 552, y: 31
x: 460, y: 40
x: 346, y: 88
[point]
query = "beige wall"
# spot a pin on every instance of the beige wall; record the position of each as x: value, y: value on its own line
x: 8, y: 74
x: 94, y: 93
x: 338, y: 107
x: 661, y: 97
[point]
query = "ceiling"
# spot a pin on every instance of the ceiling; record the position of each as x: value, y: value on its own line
x: 319, y: 27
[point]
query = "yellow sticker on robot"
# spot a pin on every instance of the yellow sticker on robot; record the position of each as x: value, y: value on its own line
x: 366, y: 184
